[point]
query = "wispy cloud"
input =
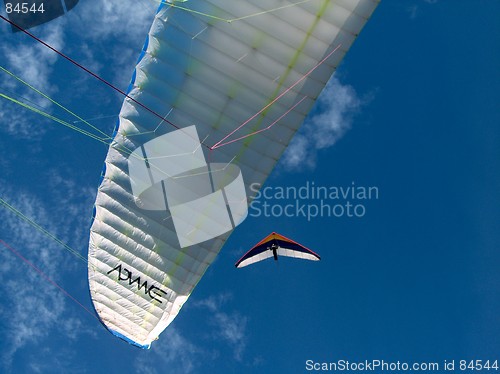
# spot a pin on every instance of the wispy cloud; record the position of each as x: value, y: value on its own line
x: 332, y: 117
x: 173, y: 351
x: 76, y: 200
x: 415, y: 9
x: 62, y: 360
x: 33, y: 63
x: 29, y: 318
x: 115, y: 39
x: 230, y: 327
x: 224, y: 329
x: 32, y: 309
x: 114, y: 18
x: 117, y: 34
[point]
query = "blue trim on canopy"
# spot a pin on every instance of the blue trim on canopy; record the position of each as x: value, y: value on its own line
x: 130, y: 341
x: 116, y: 333
x: 94, y: 208
x: 117, y: 124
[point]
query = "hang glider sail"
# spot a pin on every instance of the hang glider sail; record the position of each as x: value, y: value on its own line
x: 275, y: 245
x: 30, y: 13
x: 219, y: 90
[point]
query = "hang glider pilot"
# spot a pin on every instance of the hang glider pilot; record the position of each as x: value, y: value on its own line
x: 274, y: 247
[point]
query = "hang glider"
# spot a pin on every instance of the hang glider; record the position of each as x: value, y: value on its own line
x: 275, y: 245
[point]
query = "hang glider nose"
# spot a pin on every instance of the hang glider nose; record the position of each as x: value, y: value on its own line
x: 275, y: 245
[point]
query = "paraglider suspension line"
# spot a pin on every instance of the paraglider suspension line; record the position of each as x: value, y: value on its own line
x: 88, y: 71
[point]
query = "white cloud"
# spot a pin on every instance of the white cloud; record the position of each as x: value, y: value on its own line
x: 32, y: 308
x: 228, y: 327
x: 115, y: 19
x: 74, y: 201
x: 36, y: 310
x: 62, y: 360
x: 414, y: 9
x: 332, y: 117
x: 117, y: 34
x: 33, y: 63
x: 181, y: 355
x: 172, y: 350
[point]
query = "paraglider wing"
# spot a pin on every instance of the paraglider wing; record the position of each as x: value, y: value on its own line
x: 217, y: 94
x: 30, y: 13
x: 275, y: 245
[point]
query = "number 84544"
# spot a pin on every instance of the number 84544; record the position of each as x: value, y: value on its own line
x: 24, y: 8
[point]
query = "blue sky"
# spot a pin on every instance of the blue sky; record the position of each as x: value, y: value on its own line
x: 413, y: 110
